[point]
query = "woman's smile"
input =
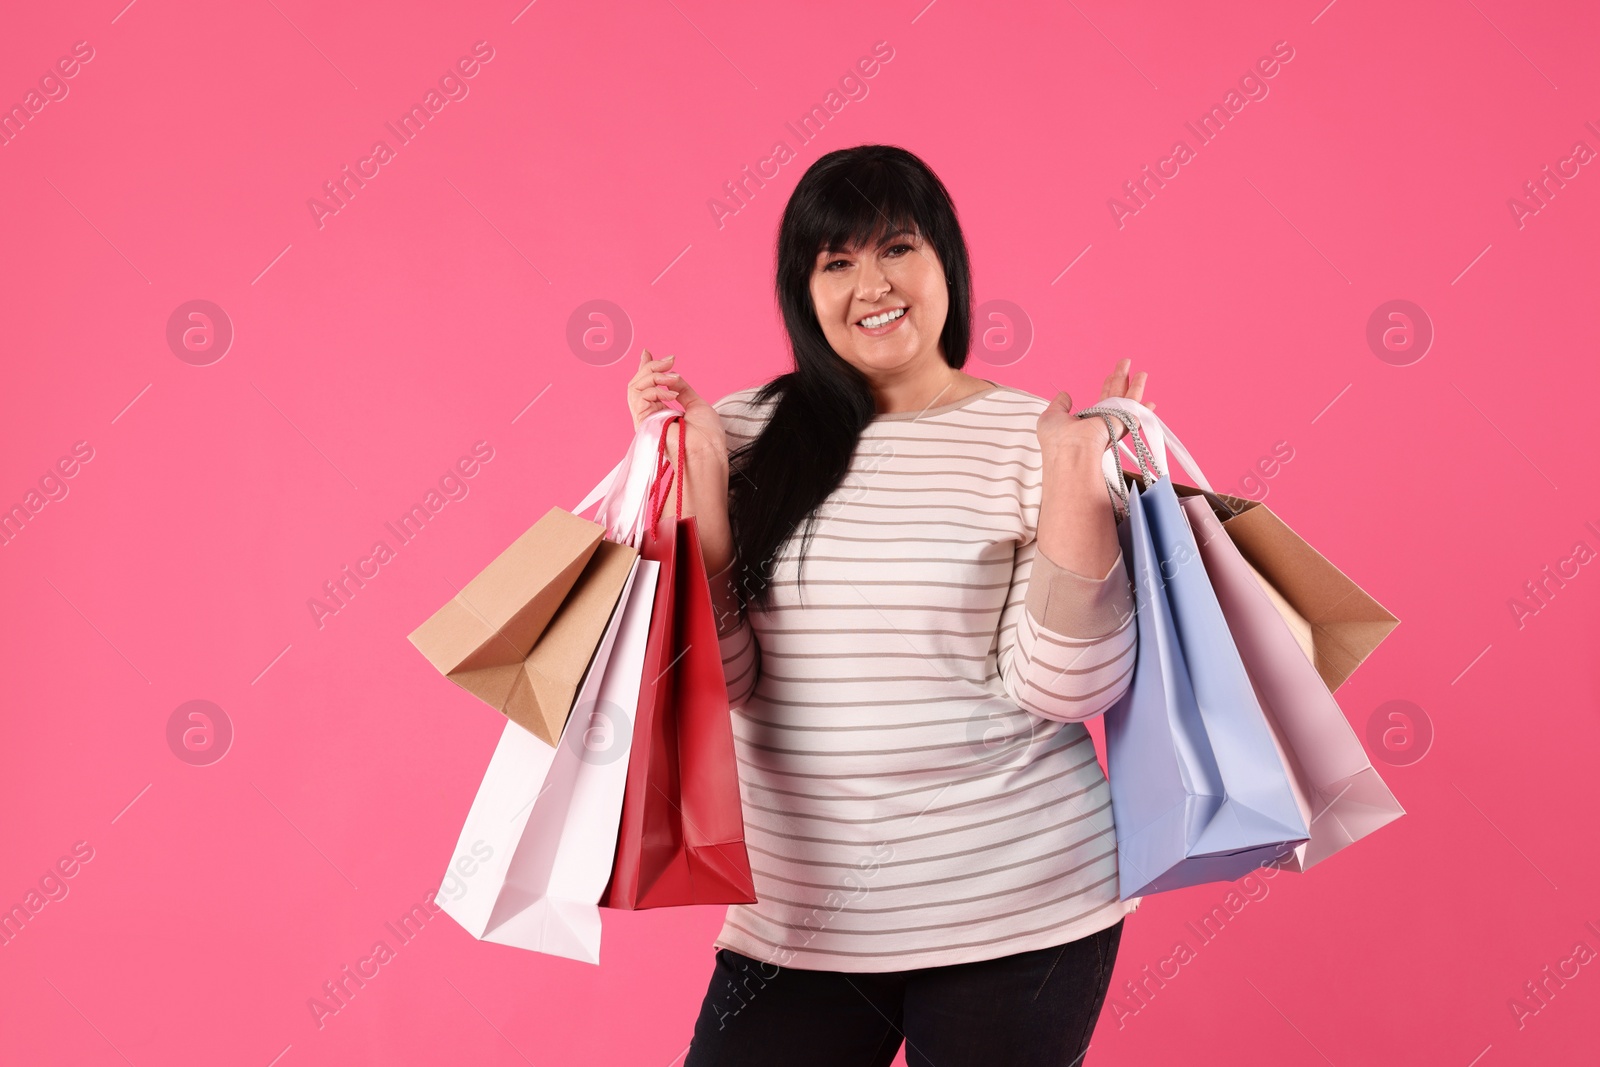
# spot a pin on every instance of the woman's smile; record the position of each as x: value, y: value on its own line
x: 882, y: 322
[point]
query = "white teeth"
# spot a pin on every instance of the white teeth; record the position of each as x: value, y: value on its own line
x: 872, y: 322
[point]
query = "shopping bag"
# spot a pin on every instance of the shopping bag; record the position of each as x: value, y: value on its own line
x: 1334, y: 619
x: 536, y: 851
x: 1345, y: 623
x: 1349, y: 800
x: 681, y: 840
x: 1200, y: 788
x: 1299, y: 626
x: 519, y: 635
x: 1328, y: 765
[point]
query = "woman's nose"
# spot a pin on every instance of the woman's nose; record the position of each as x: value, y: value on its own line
x: 871, y: 284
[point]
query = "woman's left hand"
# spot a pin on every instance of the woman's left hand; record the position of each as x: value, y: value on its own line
x: 1060, y: 430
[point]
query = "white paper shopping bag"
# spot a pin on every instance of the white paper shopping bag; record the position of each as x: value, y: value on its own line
x: 542, y: 832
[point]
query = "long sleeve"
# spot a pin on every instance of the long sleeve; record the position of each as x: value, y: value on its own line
x: 1066, y: 648
x: 741, y: 653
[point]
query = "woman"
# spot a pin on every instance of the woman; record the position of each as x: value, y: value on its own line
x: 930, y: 832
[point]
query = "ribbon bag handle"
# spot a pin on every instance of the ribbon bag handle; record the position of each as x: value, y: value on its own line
x: 625, y: 492
x: 1160, y: 438
x: 663, y: 472
x: 1111, y: 467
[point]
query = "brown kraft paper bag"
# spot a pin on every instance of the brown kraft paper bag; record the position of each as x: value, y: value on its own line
x: 520, y: 635
x: 1342, y: 623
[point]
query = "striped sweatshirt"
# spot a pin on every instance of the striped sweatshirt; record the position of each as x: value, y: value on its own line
x: 918, y: 785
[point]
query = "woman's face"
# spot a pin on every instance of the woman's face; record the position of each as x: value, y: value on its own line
x: 901, y: 276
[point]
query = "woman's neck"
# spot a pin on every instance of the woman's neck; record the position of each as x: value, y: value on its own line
x: 946, y: 386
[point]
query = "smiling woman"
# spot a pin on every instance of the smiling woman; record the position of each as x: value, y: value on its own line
x: 851, y: 290
x: 928, y: 826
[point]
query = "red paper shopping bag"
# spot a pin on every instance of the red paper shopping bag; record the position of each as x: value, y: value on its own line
x: 681, y: 840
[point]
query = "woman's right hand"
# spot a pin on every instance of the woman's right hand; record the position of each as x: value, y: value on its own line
x: 657, y: 386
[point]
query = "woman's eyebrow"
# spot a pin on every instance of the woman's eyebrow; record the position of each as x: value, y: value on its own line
x: 885, y: 239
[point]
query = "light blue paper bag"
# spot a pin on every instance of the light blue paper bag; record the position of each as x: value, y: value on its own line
x: 1199, y: 790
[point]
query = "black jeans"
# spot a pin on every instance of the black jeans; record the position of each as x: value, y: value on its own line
x: 1025, y: 1010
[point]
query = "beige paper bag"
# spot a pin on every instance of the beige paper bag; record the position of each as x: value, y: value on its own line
x: 1345, y: 623
x: 520, y: 635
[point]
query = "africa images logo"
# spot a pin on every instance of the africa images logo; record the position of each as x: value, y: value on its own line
x: 453, y: 87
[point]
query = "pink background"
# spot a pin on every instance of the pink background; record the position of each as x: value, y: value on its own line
x: 431, y: 312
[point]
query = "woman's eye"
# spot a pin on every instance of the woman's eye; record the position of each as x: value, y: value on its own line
x: 836, y: 263
x: 898, y: 247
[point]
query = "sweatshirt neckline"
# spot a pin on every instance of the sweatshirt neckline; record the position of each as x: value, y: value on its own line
x: 941, y: 408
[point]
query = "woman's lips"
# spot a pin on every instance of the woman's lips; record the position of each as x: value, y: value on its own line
x: 884, y: 329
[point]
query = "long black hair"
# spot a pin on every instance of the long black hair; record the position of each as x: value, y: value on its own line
x: 851, y: 197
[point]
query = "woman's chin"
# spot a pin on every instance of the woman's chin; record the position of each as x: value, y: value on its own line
x: 885, y: 356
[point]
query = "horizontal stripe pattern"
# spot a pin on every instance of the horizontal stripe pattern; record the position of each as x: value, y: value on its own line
x: 919, y: 787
